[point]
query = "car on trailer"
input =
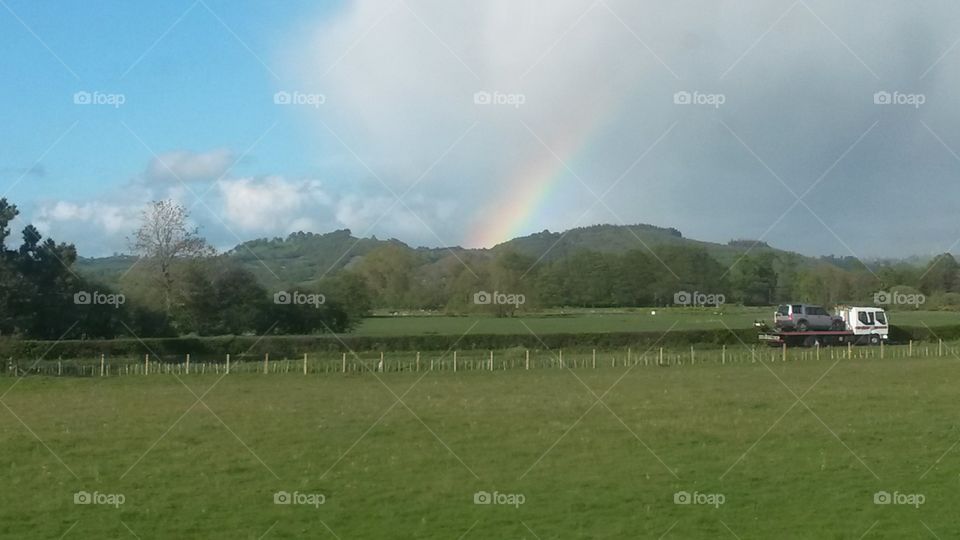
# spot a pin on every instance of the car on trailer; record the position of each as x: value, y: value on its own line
x: 810, y: 326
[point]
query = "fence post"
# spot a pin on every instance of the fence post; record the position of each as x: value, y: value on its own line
x: 849, y: 350
x: 910, y: 349
x: 146, y: 364
x: 266, y: 363
x: 491, y: 359
x: 940, y: 347
x: 304, y: 363
x: 454, y: 362
x: 594, y: 359
x: 59, y: 368
x: 693, y: 359
x: 561, y: 358
x: 101, y: 364
x: 228, y: 363
x: 418, y: 361
x: 188, y: 363
x: 628, y: 355
x: 660, y: 361
x: 528, y: 359
x: 723, y: 355
x: 343, y: 363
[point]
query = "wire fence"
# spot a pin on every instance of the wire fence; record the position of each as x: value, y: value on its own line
x: 462, y: 361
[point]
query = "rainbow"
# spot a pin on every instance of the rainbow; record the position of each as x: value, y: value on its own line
x: 526, y: 192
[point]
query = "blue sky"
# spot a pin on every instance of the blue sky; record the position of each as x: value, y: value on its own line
x: 599, y: 137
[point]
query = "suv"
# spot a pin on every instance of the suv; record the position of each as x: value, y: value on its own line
x: 804, y: 317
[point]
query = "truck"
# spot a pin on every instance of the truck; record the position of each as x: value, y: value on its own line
x: 810, y: 326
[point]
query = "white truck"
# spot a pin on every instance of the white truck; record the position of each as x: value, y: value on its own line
x: 856, y: 325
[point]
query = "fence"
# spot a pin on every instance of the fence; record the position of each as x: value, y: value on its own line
x: 463, y: 361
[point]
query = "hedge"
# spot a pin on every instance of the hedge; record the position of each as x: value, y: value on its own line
x: 253, y: 347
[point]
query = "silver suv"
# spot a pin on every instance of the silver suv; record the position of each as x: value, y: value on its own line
x: 804, y: 317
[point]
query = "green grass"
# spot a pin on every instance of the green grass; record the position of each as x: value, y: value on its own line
x: 410, y: 470
x: 605, y: 320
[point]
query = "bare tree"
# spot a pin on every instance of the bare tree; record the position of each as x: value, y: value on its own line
x: 164, y: 237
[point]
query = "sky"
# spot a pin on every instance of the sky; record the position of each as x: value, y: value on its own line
x: 819, y: 127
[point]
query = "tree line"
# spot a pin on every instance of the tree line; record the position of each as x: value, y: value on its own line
x: 179, y: 286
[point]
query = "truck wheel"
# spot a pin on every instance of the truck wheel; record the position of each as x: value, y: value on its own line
x: 802, y: 326
x: 874, y: 340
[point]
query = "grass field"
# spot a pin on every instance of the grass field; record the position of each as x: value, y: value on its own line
x: 605, y: 320
x: 402, y: 455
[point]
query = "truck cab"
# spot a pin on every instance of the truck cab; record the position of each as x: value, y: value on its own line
x: 869, y: 322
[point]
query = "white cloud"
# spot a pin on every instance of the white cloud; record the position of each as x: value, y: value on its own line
x: 187, y: 166
x: 273, y: 205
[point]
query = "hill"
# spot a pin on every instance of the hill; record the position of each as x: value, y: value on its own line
x: 303, y: 258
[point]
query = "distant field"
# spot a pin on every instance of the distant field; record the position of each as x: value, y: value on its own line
x: 731, y: 433
x: 605, y: 320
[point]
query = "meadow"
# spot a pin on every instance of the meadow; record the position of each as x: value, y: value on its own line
x: 758, y: 447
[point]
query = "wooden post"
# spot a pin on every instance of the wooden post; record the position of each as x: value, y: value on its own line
x: 784, y: 352
x: 146, y: 364
x: 188, y: 363
x: 101, y: 363
x: 849, y: 350
x: 382, y: 365
x: 266, y: 363
x: 454, y: 362
x: 818, y: 349
x: 723, y: 355
x: 304, y: 363
x: 528, y: 359
x: 59, y: 368
x: 940, y: 347
x: 659, y: 362
x: 693, y: 359
x: 561, y: 358
x: 228, y: 362
x: 418, y: 360
x: 910, y: 349
x: 491, y: 360
x: 881, y: 349
x: 594, y: 359
x: 628, y: 355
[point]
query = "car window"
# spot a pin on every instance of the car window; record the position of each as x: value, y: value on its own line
x: 881, y: 317
x: 865, y: 317
x: 816, y: 310
x: 797, y: 309
x: 783, y: 310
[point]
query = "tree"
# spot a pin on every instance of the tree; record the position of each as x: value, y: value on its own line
x: 163, y: 239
